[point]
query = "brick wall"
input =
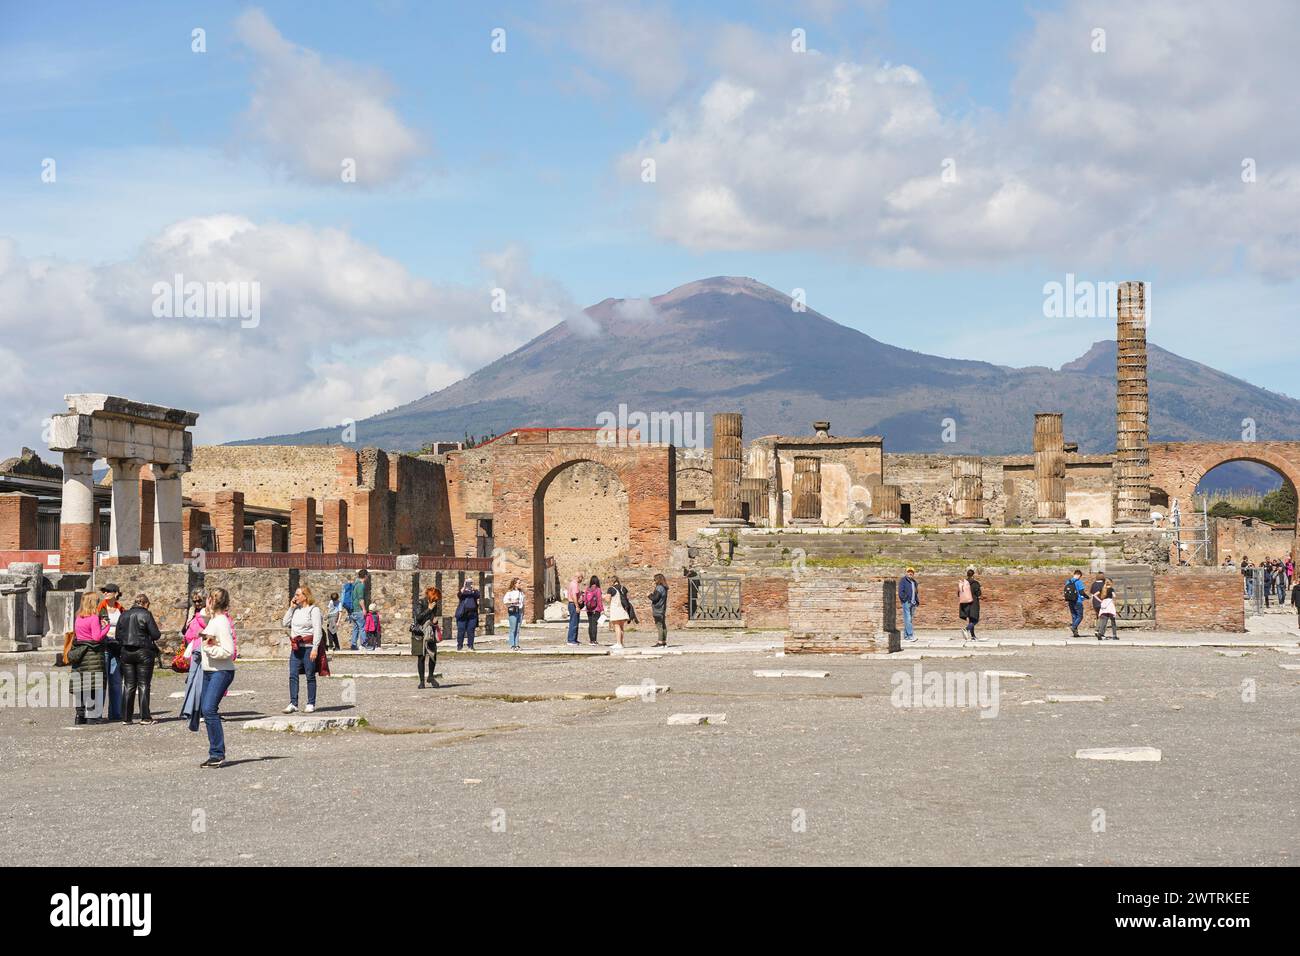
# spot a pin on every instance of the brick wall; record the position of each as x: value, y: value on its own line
x: 841, y: 614
x: 1250, y: 537
x: 423, y: 516
x: 270, y: 476
x: 1200, y: 599
x: 17, y: 521
x: 302, y: 525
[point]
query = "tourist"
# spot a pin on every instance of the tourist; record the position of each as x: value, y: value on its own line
x: 1248, y: 576
x: 137, y: 636
x: 1282, y: 582
x: 574, y: 594
x: 425, y: 636
x: 332, y: 622
x: 1267, y: 566
x: 1290, y: 571
x: 355, y: 595
x: 303, y: 620
x: 1094, y: 594
x: 594, y: 601
x: 218, y: 672
x: 909, y: 599
x: 1228, y: 562
x: 111, y: 609
x: 374, y: 629
x: 1295, y: 601
x: 466, y: 615
x: 192, y: 642
x: 968, y: 601
x: 87, y: 659
x: 1107, y: 614
x: 1074, y: 591
x: 659, y: 610
x: 514, y: 602
x: 621, y: 611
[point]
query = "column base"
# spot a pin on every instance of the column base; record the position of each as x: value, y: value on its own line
x: 1050, y: 522
x: 728, y: 523
x: 884, y: 522
x: 968, y: 523
x: 806, y: 523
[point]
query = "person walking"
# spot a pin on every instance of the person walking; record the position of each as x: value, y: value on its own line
x: 138, y: 636
x: 89, y: 631
x: 621, y: 611
x: 1108, y: 613
x: 1074, y: 592
x: 514, y: 603
x: 332, y: 622
x: 968, y: 601
x: 111, y: 609
x: 466, y: 615
x: 303, y: 619
x: 574, y: 593
x: 218, y: 672
x: 594, y: 601
x: 659, y: 610
x: 192, y: 647
x: 425, y: 636
x: 1282, y: 582
x: 909, y: 599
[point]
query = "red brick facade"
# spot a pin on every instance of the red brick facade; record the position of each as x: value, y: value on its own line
x: 17, y: 521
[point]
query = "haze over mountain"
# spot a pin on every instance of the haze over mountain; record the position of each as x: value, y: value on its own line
x: 735, y: 344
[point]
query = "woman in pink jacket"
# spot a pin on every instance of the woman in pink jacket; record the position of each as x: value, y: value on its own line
x: 594, y: 602
x: 87, y: 658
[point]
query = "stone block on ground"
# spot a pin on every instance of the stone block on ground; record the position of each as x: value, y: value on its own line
x: 770, y: 673
x: 1075, y: 699
x: 1119, y: 753
x: 697, y: 719
x: 301, y: 725
x: 625, y: 691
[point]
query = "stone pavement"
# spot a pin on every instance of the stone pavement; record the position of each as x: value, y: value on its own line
x: 531, y: 758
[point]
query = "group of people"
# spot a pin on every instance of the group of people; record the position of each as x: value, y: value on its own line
x: 1100, y: 595
x: 1278, y: 577
x: 969, y: 591
x: 618, y: 610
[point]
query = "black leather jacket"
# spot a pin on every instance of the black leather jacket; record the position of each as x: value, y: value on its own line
x: 136, y: 628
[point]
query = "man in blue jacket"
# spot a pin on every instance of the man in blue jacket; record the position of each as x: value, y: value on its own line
x: 909, y: 597
x: 1074, y: 591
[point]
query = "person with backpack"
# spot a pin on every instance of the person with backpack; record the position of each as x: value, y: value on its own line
x: 1248, y: 575
x: 303, y: 620
x: 138, y: 636
x: 659, y: 610
x: 1268, y: 581
x: 909, y: 599
x: 1074, y: 591
x: 466, y: 615
x: 1108, y: 612
x: 514, y: 604
x: 593, y: 600
x: 621, y: 611
x: 425, y: 635
x: 355, y: 596
x: 968, y: 602
x: 219, y: 653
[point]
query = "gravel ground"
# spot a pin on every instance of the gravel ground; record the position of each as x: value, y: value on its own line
x: 496, y: 766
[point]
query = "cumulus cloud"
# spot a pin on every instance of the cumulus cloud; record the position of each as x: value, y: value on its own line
x: 344, y: 332
x: 1134, y: 154
x: 313, y: 116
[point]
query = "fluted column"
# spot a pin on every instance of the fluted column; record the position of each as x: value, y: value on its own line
x: 806, y: 504
x: 968, y: 491
x: 727, y: 466
x: 1132, y: 455
x: 753, y: 498
x: 1049, y: 469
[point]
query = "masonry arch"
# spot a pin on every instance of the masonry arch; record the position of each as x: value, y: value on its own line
x: 580, y: 519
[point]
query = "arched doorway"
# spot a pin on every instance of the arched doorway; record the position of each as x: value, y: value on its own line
x: 580, y: 520
x: 1251, y: 506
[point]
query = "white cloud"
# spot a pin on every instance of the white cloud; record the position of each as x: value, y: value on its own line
x: 311, y: 115
x: 1133, y: 155
x: 344, y: 331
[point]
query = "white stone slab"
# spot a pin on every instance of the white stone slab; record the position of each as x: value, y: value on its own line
x: 969, y: 653
x: 697, y: 719
x: 1119, y: 753
x: 180, y: 694
x: 1006, y: 675
x: 624, y: 691
x: 1289, y: 667
x: 1233, y: 653
x: 763, y: 673
x: 301, y: 725
x: 1075, y: 699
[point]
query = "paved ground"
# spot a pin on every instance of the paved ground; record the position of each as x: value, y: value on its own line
x: 498, y: 767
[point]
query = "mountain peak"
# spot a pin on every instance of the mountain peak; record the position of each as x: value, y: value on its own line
x: 727, y: 285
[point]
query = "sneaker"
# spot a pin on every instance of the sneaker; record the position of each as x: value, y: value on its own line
x: 291, y: 709
x: 211, y: 763
x: 310, y: 709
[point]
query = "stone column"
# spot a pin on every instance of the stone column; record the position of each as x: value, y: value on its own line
x: 192, y: 522
x: 124, y: 529
x: 1132, y: 461
x: 886, y: 506
x: 227, y: 513
x: 302, y: 525
x: 336, y: 526
x: 268, y: 535
x: 806, y: 504
x: 168, y: 541
x: 1049, y: 469
x: 753, y: 498
x: 727, y: 469
x: 968, y: 492
x: 78, y: 524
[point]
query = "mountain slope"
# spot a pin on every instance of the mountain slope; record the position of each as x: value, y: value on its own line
x: 734, y: 344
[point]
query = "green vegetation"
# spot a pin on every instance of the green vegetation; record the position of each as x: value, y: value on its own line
x: 1276, y: 507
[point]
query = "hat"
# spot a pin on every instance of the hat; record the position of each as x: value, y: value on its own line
x: 373, y: 607
x: 110, y: 589
x: 911, y: 570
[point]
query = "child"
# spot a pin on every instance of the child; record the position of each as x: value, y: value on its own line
x: 1107, y: 613
x: 374, y: 629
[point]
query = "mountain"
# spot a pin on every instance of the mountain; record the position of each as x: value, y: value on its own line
x: 734, y: 344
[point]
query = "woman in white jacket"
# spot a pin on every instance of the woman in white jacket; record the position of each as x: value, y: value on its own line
x: 303, y: 619
x: 218, y: 671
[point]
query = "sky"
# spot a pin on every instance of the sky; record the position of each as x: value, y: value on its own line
x: 403, y: 192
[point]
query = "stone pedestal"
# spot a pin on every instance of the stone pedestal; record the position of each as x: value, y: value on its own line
x: 806, y: 503
x: 32, y: 575
x: 13, y: 619
x: 727, y: 466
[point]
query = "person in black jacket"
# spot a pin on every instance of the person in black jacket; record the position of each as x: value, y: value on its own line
x: 1295, y: 601
x: 466, y: 615
x: 137, y: 633
x: 424, y: 636
x: 659, y: 609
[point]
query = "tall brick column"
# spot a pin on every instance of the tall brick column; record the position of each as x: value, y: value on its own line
x: 336, y: 526
x: 227, y: 511
x: 1132, y: 454
x: 268, y: 535
x: 968, y: 492
x: 806, y: 492
x: 727, y: 468
x: 302, y: 525
x: 192, y: 522
x: 17, y: 521
x: 1049, y: 470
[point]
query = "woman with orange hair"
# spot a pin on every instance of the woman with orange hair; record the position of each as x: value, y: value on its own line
x: 425, y: 635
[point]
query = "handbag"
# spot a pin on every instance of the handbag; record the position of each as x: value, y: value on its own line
x: 62, y: 659
x: 181, y: 663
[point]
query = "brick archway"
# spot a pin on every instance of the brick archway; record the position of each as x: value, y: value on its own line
x: 519, y: 482
x: 1178, y: 467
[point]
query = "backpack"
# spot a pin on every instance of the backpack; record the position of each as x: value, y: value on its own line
x: 1071, y: 592
x: 371, y: 625
x: 346, y: 599
x: 963, y: 592
x: 592, y: 600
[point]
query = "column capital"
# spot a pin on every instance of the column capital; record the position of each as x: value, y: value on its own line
x: 169, y: 471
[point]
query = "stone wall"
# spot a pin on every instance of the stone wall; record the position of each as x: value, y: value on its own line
x: 270, y: 476
x: 1200, y: 599
x: 422, y: 524
x: 585, y: 515
x: 1249, y: 537
x: 842, y: 614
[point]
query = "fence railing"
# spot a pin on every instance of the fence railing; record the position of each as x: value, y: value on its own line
x: 343, y: 561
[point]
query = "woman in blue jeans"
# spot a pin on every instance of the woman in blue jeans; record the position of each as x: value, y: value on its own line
x: 218, y: 672
x: 466, y: 615
x: 514, y: 602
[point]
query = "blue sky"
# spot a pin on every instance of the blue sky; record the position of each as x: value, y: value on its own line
x: 518, y: 170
